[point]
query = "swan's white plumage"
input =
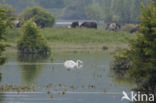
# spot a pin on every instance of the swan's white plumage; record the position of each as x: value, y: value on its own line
x: 70, y: 64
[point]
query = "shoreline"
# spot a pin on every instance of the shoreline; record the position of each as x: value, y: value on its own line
x: 67, y: 47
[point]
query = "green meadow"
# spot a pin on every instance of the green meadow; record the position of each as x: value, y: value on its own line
x: 78, y: 39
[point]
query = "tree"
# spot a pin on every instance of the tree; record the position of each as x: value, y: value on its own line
x: 41, y: 16
x: 10, y: 12
x: 143, y: 50
x: 32, y: 42
x: 141, y: 56
x: 3, y: 26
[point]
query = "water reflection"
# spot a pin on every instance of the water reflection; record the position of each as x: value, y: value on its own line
x: 2, y: 98
x: 0, y: 77
x: 31, y: 72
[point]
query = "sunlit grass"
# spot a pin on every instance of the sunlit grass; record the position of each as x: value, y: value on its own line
x: 85, y: 36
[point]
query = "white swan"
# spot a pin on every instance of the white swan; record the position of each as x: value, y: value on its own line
x: 70, y: 64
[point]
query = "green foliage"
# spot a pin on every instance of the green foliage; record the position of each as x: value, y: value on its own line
x: 41, y: 16
x: 12, y: 34
x: 32, y: 42
x: 3, y: 26
x: 143, y: 50
x: 10, y: 11
x: 121, y: 63
x: 121, y: 11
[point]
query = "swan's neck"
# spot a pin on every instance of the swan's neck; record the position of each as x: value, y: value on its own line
x: 77, y: 63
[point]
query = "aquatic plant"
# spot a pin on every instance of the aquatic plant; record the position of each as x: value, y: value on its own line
x: 15, y: 88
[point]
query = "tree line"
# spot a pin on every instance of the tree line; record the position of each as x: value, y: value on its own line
x: 121, y: 11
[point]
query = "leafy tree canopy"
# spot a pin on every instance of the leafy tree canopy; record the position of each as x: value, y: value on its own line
x: 3, y: 26
x: 10, y: 11
x: 41, y: 16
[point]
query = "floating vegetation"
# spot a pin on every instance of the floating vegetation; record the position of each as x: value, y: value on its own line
x: 72, y: 87
x: 48, y: 92
x: 51, y: 96
x: 60, y: 85
x: 15, y: 88
x: 0, y: 76
x: 91, y: 86
x: 63, y: 92
x: 105, y: 90
x: 49, y: 85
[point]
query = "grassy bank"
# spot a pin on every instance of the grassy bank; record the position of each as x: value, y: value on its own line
x: 78, y: 39
x: 85, y: 36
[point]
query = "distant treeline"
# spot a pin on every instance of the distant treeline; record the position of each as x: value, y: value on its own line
x: 121, y: 11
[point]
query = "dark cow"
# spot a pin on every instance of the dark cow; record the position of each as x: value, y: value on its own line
x: 134, y: 29
x: 89, y: 25
x: 113, y: 27
x: 75, y: 24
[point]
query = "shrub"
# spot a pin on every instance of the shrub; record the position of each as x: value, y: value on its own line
x: 32, y: 42
x: 121, y: 63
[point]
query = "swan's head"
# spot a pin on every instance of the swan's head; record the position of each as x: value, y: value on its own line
x: 79, y: 63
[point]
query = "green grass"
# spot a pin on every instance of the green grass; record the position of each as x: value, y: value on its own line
x: 78, y: 39
x: 85, y: 36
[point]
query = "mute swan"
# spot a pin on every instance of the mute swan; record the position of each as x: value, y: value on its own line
x: 70, y: 64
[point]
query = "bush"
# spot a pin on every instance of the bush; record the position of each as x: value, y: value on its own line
x: 41, y: 16
x: 121, y: 63
x: 32, y: 42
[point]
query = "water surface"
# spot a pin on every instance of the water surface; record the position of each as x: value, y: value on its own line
x: 92, y: 83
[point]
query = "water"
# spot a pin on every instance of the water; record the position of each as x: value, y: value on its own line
x: 92, y: 83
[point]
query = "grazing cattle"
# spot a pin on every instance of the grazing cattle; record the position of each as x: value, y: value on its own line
x: 89, y: 25
x: 75, y: 24
x: 113, y: 27
x: 134, y: 29
x: 17, y: 23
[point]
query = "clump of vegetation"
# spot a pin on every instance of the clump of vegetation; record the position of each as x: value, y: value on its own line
x: 121, y: 63
x: 41, y: 16
x: 3, y: 25
x: 32, y: 42
x: 8, y: 88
